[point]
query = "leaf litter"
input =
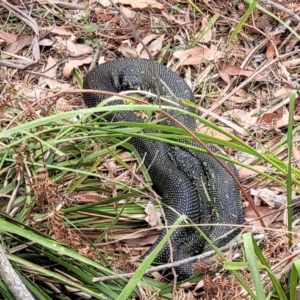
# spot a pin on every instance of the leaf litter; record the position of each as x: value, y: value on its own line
x: 256, y: 103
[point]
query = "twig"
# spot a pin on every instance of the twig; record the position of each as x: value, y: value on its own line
x: 249, y: 79
x: 27, y: 19
x: 280, y: 8
x: 177, y: 263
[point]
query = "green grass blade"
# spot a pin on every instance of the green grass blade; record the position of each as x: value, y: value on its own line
x: 147, y: 262
x: 243, y: 19
x: 58, y: 277
x: 34, y: 289
x: 31, y: 235
x: 294, y: 278
x: 274, y: 17
x: 293, y: 95
x: 266, y: 266
x: 253, y: 266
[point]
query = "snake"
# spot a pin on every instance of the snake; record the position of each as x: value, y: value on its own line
x: 190, y: 182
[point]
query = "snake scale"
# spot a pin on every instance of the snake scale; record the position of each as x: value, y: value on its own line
x: 190, y: 182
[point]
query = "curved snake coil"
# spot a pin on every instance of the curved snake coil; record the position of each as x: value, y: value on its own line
x: 190, y: 182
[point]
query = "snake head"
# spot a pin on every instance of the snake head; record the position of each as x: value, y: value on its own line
x: 129, y: 80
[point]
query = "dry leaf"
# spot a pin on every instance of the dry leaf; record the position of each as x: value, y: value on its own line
x: 89, y: 197
x: 268, y: 119
x: 264, y: 211
x: 127, y: 49
x: 128, y: 12
x: 153, y: 217
x: 154, y: 47
x: 187, y: 19
x: 46, y: 42
x: 178, y: 20
x: 270, y: 197
x: 73, y: 49
x: 296, y: 155
x: 241, y: 96
x: 244, y: 172
x: 146, y: 40
x: 50, y: 71
x: 292, y: 43
x: 284, y: 118
x: 82, y: 49
x: 105, y: 3
x: 282, y: 93
x: 58, y: 30
x: 139, y: 4
x: 169, y: 17
x: 112, y: 167
x: 237, y: 71
x: 19, y: 44
x: 243, y: 116
x: 72, y: 64
x: 8, y: 37
x: 216, y: 133
x: 208, y: 35
x: 62, y: 105
x: 270, y: 51
x: 198, y: 55
x: 224, y: 76
x: 291, y: 63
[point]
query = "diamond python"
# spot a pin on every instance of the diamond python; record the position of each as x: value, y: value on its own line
x: 190, y: 182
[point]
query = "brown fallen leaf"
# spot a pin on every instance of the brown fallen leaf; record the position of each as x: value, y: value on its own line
x: 73, y: 49
x: 139, y: 4
x: 50, y: 71
x: 179, y: 20
x: 197, y: 55
x: 127, y: 49
x: 82, y: 49
x: 153, y: 217
x: 57, y: 30
x: 169, y: 17
x: 187, y: 19
x: 19, y: 44
x: 241, y: 96
x: 128, y: 12
x: 208, y: 35
x: 154, y: 47
x: 244, y: 172
x: 282, y: 93
x: 216, y: 133
x: 284, y: 118
x: 291, y: 63
x: 245, y: 117
x: 46, y: 42
x: 237, y: 71
x: 8, y: 37
x: 265, y: 212
x: 146, y: 40
x: 72, y: 64
x: 224, y: 76
x: 270, y: 52
x: 296, y: 155
x: 268, y: 119
x: 292, y: 43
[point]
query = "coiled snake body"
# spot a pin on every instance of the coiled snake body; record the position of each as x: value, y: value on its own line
x: 190, y: 182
